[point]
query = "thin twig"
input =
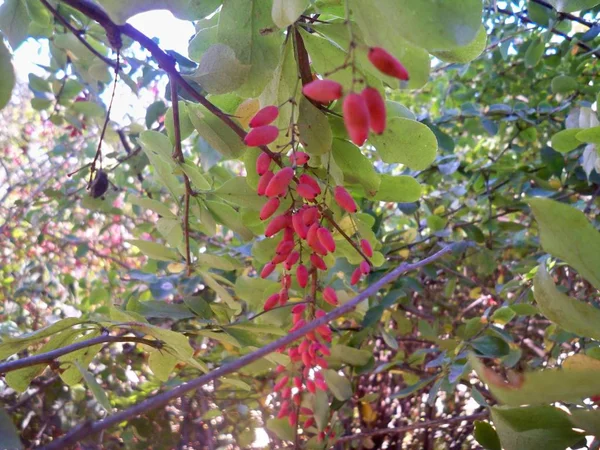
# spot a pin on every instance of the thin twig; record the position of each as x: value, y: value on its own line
x: 92, y: 427
x: 48, y: 357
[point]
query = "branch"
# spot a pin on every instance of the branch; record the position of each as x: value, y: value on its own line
x: 565, y: 15
x: 414, y: 426
x: 88, y: 428
x: 77, y: 34
x: 48, y: 357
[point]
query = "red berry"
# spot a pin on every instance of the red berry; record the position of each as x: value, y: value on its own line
x: 326, y: 239
x: 306, y: 191
x: 299, y: 158
x: 299, y: 226
x: 344, y: 199
x: 261, y: 136
x: 355, y: 278
x: 280, y: 182
x: 308, y: 423
x: 310, y: 385
x: 323, y: 91
x: 311, y: 215
x: 387, y: 64
x: 264, y: 117
x: 317, y: 261
x: 366, y: 247
x: 267, y: 270
x: 283, y: 296
x: 356, y: 118
x: 330, y: 296
x: 376, y: 107
x: 263, y: 182
x: 292, y: 259
x: 281, y: 383
x: 302, y: 275
x: 307, y: 179
x: 262, y: 163
x: 271, y: 301
x: 269, y: 208
x: 276, y: 225
x: 365, y: 268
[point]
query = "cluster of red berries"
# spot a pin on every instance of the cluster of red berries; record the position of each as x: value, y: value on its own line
x: 365, y: 111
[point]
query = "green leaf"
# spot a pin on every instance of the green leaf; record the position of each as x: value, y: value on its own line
x: 398, y: 188
x: 154, y: 250
x: 158, y: 148
x: 314, y: 129
x: 195, y: 175
x: 534, y: 53
x: 486, y: 436
x: 161, y: 362
x: 153, y: 205
x: 588, y: 420
x: 204, y: 38
x: 218, y: 262
x: 159, y: 309
x: 89, y: 109
x: 9, y: 435
x: 154, y: 112
x: 563, y: 84
x: 573, y: 5
x: 568, y: 384
x: 183, y: 9
x: 356, y: 167
x: 14, y: 22
x: 286, y: 12
x: 589, y: 135
x: 221, y: 291
x: 567, y: 234
x: 282, y: 429
x: 237, y: 191
x: 407, y: 142
x: 97, y: 391
x: 247, y: 28
x: 219, y: 70
x: 350, y: 355
x: 568, y: 313
x: 534, y: 428
x: 200, y: 306
x: 236, y: 383
x: 491, y: 346
x: 321, y: 409
x: 7, y: 82
x: 431, y: 24
x: 338, y: 384
x: 215, y: 132
x: 566, y: 140
x: 226, y: 215
x: 185, y: 125
x: 503, y: 315
x: 408, y: 390
x: 466, y: 53
x: 70, y: 375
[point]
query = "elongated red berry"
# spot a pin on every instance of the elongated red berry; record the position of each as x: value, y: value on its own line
x: 292, y: 259
x: 308, y: 423
x: 299, y: 158
x: 276, y: 225
x: 376, y: 107
x: 281, y: 383
x: 306, y: 191
x: 310, y: 385
x: 330, y: 296
x: 317, y: 261
x: 323, y: 91
x: 269, y: 208
x: 355, y: 278
x: 387, y: 64
x: 271, y: 301
x: 267, y: 270
x: 262, y: 163
x: 366, y: 247
x: 344, y: 199
x: 356, y: 118
x: 261, y: 136
x: 299, y: 226
x: 364, y: 267
x: 280, y: 182
x: 302, y: 275
x: 307, y: 179
x: 311, y: 236
x: 299, y: 309
x: 263, y: 182
x: 326, y: 239
x: 264, y: 117
x: 310, y: 215
x: 285, y: 248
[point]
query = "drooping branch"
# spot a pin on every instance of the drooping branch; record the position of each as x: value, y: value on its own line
x: 415, y: 426
x: 48, y: 357
x: 90, y: 428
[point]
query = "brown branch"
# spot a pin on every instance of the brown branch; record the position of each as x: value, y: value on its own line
x: 48, y: 357
x: 565, y: 15
x: 89, y: 428
x: 178, y: 156
x: 415, y: 426
x: 78, y: 35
